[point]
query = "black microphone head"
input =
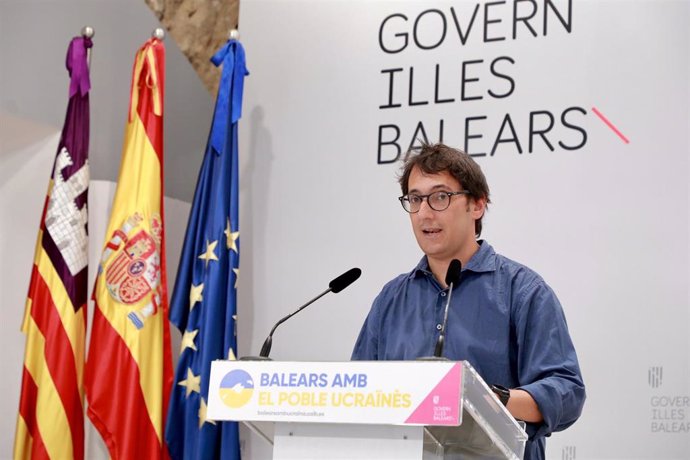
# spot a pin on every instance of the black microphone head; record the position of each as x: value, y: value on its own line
x: 344, y: 280
x: 453, y: 272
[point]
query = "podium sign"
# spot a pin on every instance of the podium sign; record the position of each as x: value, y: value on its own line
x: 402, y: 410
x: 358, y: 392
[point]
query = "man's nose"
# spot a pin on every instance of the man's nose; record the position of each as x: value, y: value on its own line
x: 424, y: 208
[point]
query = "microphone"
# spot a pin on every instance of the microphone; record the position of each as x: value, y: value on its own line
x: 335, y: 286
x: 338, y: 284
x: 452, y: 276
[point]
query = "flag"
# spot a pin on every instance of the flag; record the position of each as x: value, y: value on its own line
x: 50, y: 423
x: 204, y: 300
x: 129, y: 366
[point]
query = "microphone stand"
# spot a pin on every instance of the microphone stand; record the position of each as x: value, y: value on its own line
x: 453, y: 273
x: 266, y: 347
x: 335, y: 286
x: 438, y: 349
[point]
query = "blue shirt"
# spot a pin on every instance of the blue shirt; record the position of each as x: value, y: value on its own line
x: 503, y: 318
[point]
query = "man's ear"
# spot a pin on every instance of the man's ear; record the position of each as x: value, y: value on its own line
x: 478, y: 207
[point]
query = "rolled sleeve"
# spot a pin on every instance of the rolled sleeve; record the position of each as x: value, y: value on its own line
x: 548, y: 368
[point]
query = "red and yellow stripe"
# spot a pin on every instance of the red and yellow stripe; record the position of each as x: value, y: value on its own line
x: 50, y: 423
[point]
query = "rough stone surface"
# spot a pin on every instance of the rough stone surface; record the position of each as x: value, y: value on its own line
x: 199, y: 27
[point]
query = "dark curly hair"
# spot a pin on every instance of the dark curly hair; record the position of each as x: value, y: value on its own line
x: 437, y: 158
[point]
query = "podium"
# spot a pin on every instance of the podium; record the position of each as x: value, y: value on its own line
x: 366, y: 409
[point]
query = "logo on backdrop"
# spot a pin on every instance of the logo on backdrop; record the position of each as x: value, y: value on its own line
x: 236, y: 388
x: 654, y: 376
x: 568, y: 453
x: 458, y: 80
x: 670, y: 413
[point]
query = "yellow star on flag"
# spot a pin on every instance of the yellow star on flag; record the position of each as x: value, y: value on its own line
x: 210, y: 252
x: 195, y: 295
x: 202, y: 414
x: 191, y: 383
x: 231, y: 237
x: 231, y: 355
x: 188, y: 340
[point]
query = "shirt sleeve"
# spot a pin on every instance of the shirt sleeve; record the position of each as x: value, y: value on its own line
x: 548, y: 368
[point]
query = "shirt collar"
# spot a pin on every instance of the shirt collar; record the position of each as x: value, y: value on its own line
x: 484, y: 260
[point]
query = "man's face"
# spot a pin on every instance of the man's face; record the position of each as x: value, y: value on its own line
x: 443, y: 234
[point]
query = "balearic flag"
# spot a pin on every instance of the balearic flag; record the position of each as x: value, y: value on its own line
x: 50, y: 423
x: 204, y: 301
x: 129, y: 366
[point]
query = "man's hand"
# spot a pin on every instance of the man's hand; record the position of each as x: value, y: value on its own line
x: 522, y: 406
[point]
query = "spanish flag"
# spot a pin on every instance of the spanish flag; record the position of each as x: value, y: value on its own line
x: 50, y: 423
x: 129, y: 366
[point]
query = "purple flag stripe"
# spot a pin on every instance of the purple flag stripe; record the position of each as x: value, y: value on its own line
x: 77, y: 285
x: 75, y: 133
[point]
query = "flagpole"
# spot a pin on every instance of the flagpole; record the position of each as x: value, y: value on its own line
x: 234, y: 34
x: 87, y: 32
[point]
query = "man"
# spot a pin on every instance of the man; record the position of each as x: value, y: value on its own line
x: 503, y: 318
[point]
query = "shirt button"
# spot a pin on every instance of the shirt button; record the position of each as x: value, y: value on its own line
x: 443, y: 294
x: 439, y: 327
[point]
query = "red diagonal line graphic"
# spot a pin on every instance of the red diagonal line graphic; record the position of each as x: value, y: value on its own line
x: 610, y: 125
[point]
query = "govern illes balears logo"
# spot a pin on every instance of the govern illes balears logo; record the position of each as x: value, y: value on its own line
x: 568, y: 453
x: 236, y: 388
x: 670, y: 412
x: 439, y: 72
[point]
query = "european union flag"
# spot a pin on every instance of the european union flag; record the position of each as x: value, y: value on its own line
x: 204, y: 301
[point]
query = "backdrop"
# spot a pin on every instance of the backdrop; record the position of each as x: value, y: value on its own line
x: 577, y: 111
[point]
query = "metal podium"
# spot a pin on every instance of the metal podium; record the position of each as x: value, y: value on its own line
x: 366, y: 409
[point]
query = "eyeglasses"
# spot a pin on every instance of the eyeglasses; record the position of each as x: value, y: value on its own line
x: 438, y: 201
